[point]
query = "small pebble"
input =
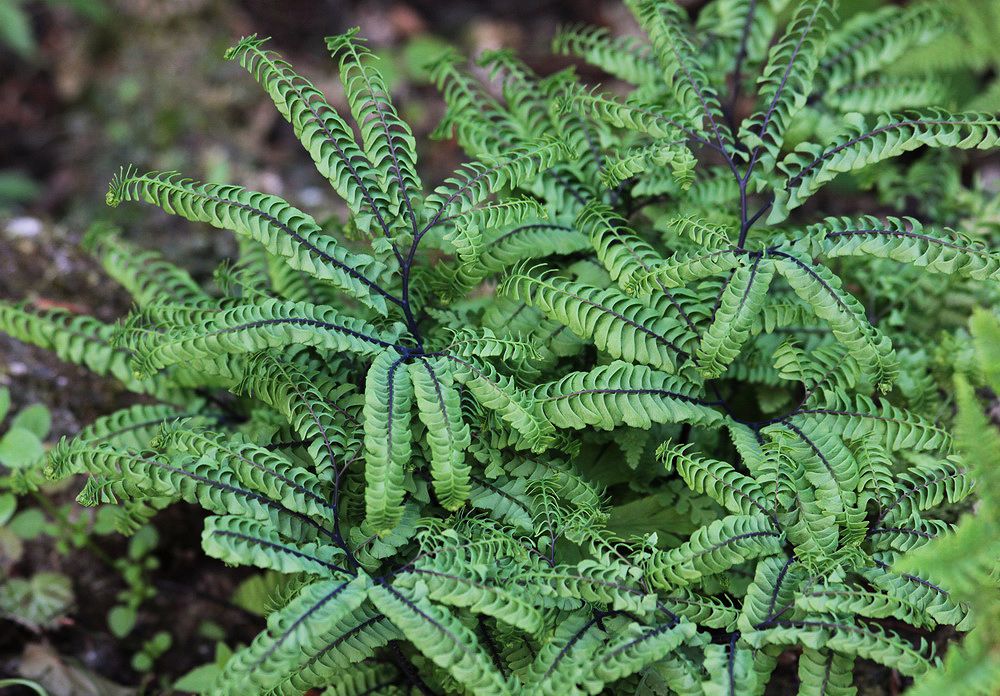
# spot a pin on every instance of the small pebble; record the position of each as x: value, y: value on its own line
x: 24, y: 227
x: 312, y: 196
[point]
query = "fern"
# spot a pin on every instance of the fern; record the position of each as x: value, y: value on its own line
x: 621, y: 411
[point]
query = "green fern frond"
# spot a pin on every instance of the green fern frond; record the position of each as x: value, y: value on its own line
x: 904, y: 240
x: 621, y: 393
x: 259, y: 469
x: 293, y: 632
x: 876, y: 95
x: 739, y: 494
x: 619, y: 325
x: 250, y: 328
x: 283, y: 229
x: 475, y: 182
x: 324, y: 134
x: 821, y: 289
x: 739, y: 304
x: 387, y: 139
x: 631, y: 114
x: 241, y: 541
x: 858, y: 602
x: 326, y: 427
x: 563, y: 659
x: 872, y: 41
x: 868, y: 642
x: 388, y: 398
x: 862, y: 419
x: 136, y: 427
x: 636, y: 646
x: 446, y: 584
x: 146, y: 276
x: 787, y: 79
x: 868, y: 141
x: 623, y: 57
x: 712, y: 549
x: 666, y: 25
x: 825, y: 673
x: 439, y: 408
x: 655, y: 156
x: 83, y: 340
x: 440, y: 636
x: 683, y: 268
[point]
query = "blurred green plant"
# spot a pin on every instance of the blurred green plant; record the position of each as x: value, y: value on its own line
x: 26, y: 683
x: 136, y: 568
x: 16, y: 188
x: 968, y: 559
x: 151, y: 651
x: 17, y: 33
x: 42, y: 600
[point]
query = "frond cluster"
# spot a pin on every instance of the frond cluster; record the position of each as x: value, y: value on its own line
x: 618, y: 411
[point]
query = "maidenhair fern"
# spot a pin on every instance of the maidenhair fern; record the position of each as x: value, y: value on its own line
x: 675, y: 442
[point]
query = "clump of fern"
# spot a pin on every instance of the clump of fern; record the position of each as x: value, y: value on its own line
x: 968, y: 560
x: 726, y: 341
x: 669, y: 447
x: 322, y: 406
